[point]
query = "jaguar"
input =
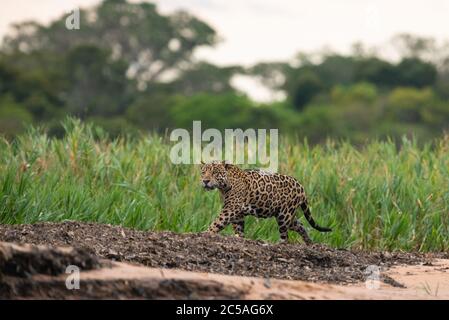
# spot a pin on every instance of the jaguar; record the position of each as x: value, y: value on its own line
x: 258, y: 193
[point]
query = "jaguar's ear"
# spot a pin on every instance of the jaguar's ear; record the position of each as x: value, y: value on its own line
x: 226, y: 164
x: 202, y: 162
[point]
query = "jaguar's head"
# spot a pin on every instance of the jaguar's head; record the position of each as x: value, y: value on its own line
x: 214, y: 175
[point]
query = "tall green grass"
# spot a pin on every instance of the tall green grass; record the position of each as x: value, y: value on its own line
x: 375, y: 197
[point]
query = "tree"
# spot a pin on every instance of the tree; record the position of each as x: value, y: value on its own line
x: 407, y: 104
x: 35, y: 81
x: 205, y: 77
x: 98, y: 84
x: 360, y: 93
x: 410, y: 46
x: 336, y: 69
x: 303, y: 88
x: 376, y: 71
x: 271, y: 74
x: 416, y: 73
x: 215, y: 111
x: 13, y: 116
x: 151, y: 44
x: 152, y: 111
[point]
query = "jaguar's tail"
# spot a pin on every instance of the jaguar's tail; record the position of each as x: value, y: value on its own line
x: 308, y: 215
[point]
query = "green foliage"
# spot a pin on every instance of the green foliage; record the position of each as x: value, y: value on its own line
x: 130, y: 67
x: 359, y: 112
x: 151, y: 111
x: 34, y: 81
x: 376, y: 197
x: 215, y: 111
x: 360, y: 93
x: 231, y: 111
x: 303, y: 88
x: 377, y: 71
x: 407, y: 104
x: 335, y: 69
x: 149, y: 42
x: 416, y: 73
x: 205, y: 77
x: 97, y: 84
x: 113, y: 126
x: 13, y: 117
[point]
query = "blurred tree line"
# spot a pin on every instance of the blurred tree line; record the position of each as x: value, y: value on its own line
x: 130, y: 68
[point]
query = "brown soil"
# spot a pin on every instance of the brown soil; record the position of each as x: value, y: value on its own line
x: 27, y: 260
x: 213, y: 253
x: 29, y: 272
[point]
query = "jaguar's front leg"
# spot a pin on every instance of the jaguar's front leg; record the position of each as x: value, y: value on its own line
x: 229, y: 214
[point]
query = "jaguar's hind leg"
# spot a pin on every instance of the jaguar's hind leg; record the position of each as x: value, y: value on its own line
x: 298, y: 227
x: 239, y: 227
x: 283, y: 224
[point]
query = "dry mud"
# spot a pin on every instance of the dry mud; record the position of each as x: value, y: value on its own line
x: 122, y: 263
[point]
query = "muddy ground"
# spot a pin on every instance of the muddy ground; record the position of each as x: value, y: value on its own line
x: 211, y: 253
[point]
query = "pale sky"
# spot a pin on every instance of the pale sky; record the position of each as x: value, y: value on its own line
x: 267, y: 30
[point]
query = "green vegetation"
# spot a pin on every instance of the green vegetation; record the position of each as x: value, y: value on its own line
x: 130, y: 68
x: 376, y: 197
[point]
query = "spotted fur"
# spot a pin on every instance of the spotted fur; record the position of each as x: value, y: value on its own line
x: 258, y: 193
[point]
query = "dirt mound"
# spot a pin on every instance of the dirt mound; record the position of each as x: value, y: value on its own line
x: 117, y: 289
x: 28, y: 260
x: 29, y: 271
x: 103, y: 279
x: 210, y: 253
